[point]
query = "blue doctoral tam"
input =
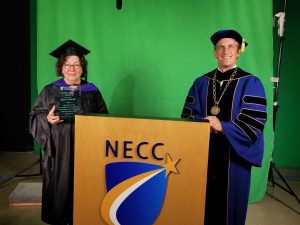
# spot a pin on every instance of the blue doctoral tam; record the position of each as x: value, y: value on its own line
x: 227, y: 34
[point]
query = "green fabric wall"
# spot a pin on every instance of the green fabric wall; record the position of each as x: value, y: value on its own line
x: 145, y: 57
x: 286, y: 144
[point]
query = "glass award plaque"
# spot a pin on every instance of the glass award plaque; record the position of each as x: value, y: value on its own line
x: 68, y: 102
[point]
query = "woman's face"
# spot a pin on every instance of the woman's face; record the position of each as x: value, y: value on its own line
x: 72, y: 70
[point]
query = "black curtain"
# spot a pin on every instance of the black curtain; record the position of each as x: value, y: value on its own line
x: 15, y: 76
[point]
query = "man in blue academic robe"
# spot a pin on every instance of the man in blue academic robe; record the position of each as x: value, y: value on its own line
x: 234, y: 103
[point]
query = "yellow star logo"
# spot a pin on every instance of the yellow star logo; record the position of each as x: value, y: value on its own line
x: 170, y: 165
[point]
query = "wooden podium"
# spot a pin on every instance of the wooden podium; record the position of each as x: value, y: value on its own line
x: 148, y: 164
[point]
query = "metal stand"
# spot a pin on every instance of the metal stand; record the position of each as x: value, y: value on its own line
x: 20, y: 173
x: 38, y: 161
x: 288, y: 189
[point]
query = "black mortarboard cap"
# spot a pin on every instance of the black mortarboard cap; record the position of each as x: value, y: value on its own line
x: 70, y: 48
x: 227, y: 34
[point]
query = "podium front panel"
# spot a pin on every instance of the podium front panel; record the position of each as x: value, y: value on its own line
x: 139, y: 171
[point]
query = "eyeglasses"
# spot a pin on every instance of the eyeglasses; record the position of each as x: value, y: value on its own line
x: 75, y: 66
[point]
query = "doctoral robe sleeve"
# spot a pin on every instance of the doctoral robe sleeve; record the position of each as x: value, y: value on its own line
x: 195, y: 102
x: 100, y: 104
x: 38, y: 123
x: 245, y: 130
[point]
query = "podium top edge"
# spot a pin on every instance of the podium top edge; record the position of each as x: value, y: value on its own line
x: 143, y: 117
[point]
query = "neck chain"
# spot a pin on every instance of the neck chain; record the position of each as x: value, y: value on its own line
x: 215, y: 110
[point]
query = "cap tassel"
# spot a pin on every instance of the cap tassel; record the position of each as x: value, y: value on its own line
x: 243, y: 45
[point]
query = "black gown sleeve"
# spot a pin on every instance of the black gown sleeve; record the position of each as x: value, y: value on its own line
x: 38, y: 123
x: 100, y: 104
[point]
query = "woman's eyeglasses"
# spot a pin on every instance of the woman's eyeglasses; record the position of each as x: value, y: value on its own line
x: 75, y: 66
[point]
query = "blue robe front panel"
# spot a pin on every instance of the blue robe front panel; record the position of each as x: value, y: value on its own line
x: 243, y: 116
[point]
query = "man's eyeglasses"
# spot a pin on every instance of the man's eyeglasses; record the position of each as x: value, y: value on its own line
x: 75, y: 66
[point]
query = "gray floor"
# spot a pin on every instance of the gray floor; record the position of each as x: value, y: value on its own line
x: 276, y: 208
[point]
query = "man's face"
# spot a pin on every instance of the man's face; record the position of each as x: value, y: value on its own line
x: 227, y: 51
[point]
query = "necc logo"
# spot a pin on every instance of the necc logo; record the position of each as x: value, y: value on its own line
x: 135, y: 190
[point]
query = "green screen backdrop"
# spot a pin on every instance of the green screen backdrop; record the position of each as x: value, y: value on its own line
x: 286, y: 145
x: 145, y: 57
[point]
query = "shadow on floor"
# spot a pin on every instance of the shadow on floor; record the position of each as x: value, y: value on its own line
x: 276, y: 208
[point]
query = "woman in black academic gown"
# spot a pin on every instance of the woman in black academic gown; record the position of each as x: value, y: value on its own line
x: 52, y: 126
